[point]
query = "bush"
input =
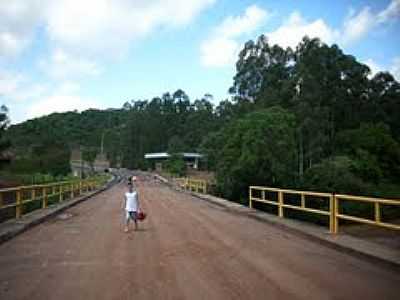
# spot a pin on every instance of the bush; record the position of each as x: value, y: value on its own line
x: 176, y: 165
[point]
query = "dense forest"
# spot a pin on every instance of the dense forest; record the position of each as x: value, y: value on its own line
x: 310, y: 118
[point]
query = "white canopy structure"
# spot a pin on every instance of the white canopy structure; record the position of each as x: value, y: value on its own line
x: 191, y: 158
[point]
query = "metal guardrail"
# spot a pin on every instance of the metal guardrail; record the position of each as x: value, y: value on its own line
x: 195, y: 185
x: 20, y: 196
x: 332, y: 203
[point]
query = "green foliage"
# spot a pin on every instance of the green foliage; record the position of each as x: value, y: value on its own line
x: 175, y: 145
x: 89, y: 155
x: 335, y: 175
x: 176, y: 165
x: 4, y: 142
x: 330, y: 95
x: 376, y: 152
x: 53, y: 159
x: 309, y: 117
x: 34, y: 178
x: 257, y: 148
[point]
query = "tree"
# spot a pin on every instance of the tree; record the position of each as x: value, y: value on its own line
x: 257, y: 149
x: 175, y: 145
x: 4, y: 121
x: 375, y: 152
x: 89, y: 155
x: 176, y: 165
x: 335, y: 175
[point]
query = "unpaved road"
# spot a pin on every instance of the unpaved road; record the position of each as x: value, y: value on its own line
x: 186, y: 249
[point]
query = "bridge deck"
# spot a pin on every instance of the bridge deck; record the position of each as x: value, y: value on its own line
x: 186, y: 249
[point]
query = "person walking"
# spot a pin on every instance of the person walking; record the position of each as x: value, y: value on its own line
x: 131, y: 207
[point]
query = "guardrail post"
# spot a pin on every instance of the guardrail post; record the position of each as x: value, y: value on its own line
x: 303, y: 200
x: 72, y: 190
x: 18, y: 207
x: 80, y: 187
x: 280, y: 203
x: 332, y: 216
x: 44, y: 200
x: 336, y: 212
x: 33, y: 194
x: 60, y: 190
x: 377, y: 213
x: 1, y: 199
x: 250, y: 200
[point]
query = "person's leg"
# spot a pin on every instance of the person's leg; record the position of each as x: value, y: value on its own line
x: 135, y: 220
x: 127, y: 217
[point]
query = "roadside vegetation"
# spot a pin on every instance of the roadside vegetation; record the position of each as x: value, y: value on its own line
x: 308, y: 118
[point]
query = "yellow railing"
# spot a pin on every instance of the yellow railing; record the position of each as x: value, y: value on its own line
x: 20, y: 196
x: 333, y: 205
x: 377, y: 202
x: 195, y: 185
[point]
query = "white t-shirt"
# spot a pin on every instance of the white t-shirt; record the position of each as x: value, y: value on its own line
x: 131, y: 201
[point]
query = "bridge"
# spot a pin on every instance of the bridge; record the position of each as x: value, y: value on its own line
x: 187, y: 248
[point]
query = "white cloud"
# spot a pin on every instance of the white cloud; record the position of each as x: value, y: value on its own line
x: 60, y: 98
x: 395, y: 68
x: 109, y: 27
x: 219, y: 52
x: 392, y: 11
x: 62, y: 65
x: 60, y: 103
x: 222, y: 47
x: 18, y: 21
x: 29, y: 91
x: 9, y: 83
x: 69, y: 87
x: 17, y: 87
x: 355, y: 26
x: 106, y: 27
x: 19, y: 93
x: 374, y: 66
x: 235, y: 26
x: 290, y: 33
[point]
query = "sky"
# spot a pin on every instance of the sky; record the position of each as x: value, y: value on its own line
x: 64, y: 55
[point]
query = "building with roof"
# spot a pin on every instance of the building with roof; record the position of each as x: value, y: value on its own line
x: 191, y: 159
x: 81, y: 168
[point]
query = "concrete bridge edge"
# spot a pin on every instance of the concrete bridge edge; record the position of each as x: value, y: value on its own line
x: 345, y: 244
x: 12, y: 228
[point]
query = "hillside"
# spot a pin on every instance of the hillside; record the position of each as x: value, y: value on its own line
x: 310, y: 117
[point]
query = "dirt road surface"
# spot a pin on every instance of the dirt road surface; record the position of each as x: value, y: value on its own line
x: 186, y: 249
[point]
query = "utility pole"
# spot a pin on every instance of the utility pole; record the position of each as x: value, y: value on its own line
x: 81, y: 160
x: 102, y: 143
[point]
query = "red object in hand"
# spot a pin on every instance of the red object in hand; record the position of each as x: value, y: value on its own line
x: 141, y: 216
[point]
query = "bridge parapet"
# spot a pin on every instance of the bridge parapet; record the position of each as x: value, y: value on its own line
x: 16, y: 201
x: 330, y: 205
x: 194, y: 185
